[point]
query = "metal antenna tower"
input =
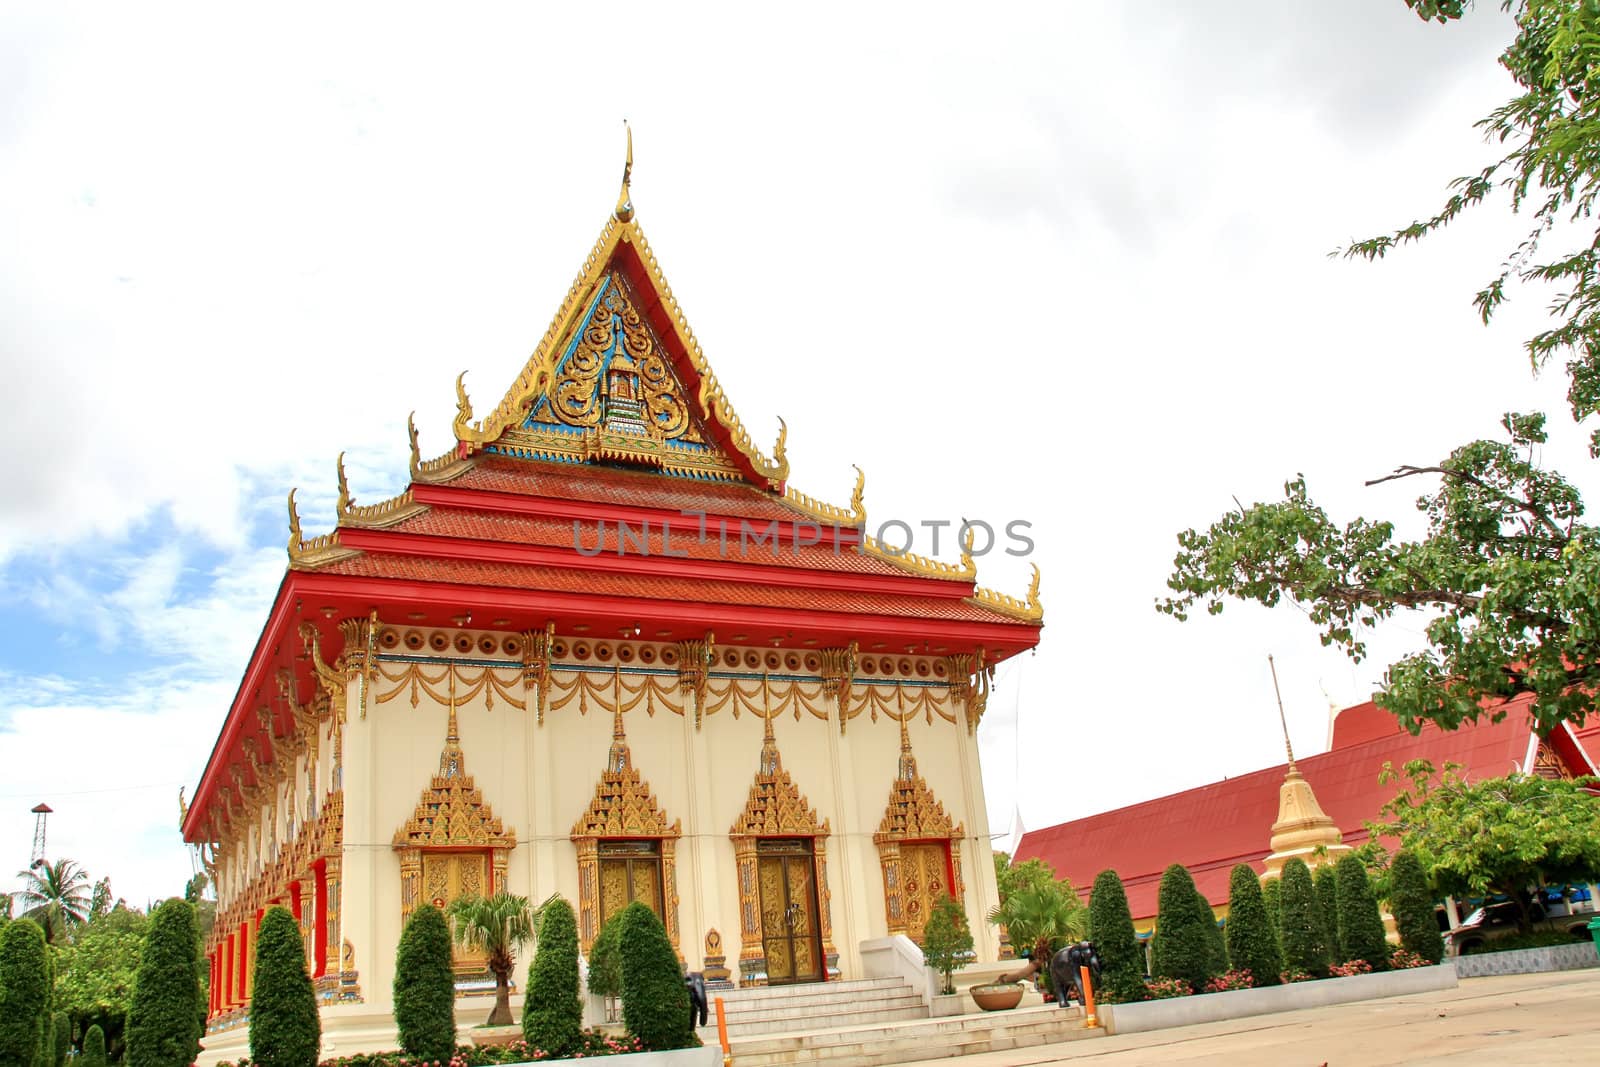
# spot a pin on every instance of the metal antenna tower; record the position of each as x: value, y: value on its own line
x: 40, y: 811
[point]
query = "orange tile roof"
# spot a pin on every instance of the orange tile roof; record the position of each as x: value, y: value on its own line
x: 602, y: 583
x: 643, y: 489
x: 508, y: 528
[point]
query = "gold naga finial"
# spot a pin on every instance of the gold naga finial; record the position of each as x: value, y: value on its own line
x: 345, y: 499
x: 624, y: 210
x: 858, y: 502
x: 778, y: 456
x: 294, y: 525
x: 967, y: 542
x: 463, y: 405
x: 416, y: 454
x: 183, y: 809
x: 1033, y: 591
x: 1282, y: 720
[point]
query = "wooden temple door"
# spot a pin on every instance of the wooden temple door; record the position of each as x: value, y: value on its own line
x: 786, y: 871
x: 448, y: 875
x: 924, y: 881
x: 630, y: 871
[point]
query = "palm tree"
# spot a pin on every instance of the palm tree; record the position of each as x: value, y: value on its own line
x: 54, y: 895
x: 1048, y: 917
x: 499, y: 926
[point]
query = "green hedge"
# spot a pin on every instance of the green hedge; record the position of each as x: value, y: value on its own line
x: 425, y: 986
x: 164, y: 1017
x: 1412, y: 904
x: 94, y: 1048
x: 1360, y: 925
x: 285, y: 1030
x: 655, y: 1002
x: 1303, y: 948
x: 1327, y: 886
x: 1272, y: 900
x: 552, y: 1016
x: 1111, y: 930
x: 605, y: 960
x: 1185, y: 944
x: 1252, y: 945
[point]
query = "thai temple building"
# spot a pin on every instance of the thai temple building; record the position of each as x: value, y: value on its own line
x: 1314, y: 808
x: 600, y: 647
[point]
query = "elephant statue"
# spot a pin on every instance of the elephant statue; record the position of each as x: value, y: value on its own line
x: 697, y: 998
x: 1065, y: 974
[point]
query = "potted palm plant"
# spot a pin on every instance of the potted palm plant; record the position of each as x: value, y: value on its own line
x: 1048, y: 917
x: 497, y: 926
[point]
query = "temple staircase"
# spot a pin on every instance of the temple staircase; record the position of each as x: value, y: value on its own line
x: 872, y: 1021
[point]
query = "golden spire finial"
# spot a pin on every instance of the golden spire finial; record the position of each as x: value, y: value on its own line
x: 450, y: 758
x: 294, y: 525
x: 1281, y: 718
x: 624, y: 210
x: 908, y: 762
x: 345, y: 499
x: 416, y: 453
x: 770, y: 761
x: 618, y: 759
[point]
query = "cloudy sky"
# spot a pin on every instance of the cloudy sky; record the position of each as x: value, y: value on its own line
x: 1064, y: 263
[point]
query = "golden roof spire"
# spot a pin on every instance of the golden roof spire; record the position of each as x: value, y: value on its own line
x: 1287, y: 747
x: 907, y: 770
x: 618, y: 759
x: 770, y: 761
x: 450, y: 758
x: 1303, y: 830
x: 624, y: 209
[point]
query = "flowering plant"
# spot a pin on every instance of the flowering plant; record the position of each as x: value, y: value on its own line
x: 1402, y: 959
x: 1295, y: 974
x: 1240, y: 978
x: 1167, y: 988
x: 1346, y: 970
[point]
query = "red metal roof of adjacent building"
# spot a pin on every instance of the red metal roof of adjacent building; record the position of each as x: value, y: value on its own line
x: 1211, y: 828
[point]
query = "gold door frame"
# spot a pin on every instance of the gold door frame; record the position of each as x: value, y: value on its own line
x: 791, y: 937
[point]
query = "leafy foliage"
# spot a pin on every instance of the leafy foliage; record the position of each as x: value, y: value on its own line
x: 1111, y: 930
x: 552, y: 1017
x: 1029, y: 874
x: 1185, y: 942
x: 425, y: 986
x: 164, y: 1015
x: 95, y: 971
x: 1303, y: 945
x: 946, y: 940
x: 94, y: 1048
x: 285, y: 1030
x: 1042, y: 917
x: 497, y: 925
x: 1252, y: 945
x: 1495, y: 835
x: 1272, y: 900
x: 605, y: 960
x: 1507, y: 571
x: 1412, y: 903
x: 655, y: 1003
x: 1361, y: 934
x: 56, y: 896
x: 1326, y: 881
x: 61, y: 1043
x: 24, y: 992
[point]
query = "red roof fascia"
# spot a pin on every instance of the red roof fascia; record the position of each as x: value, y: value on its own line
x: 1567, y: 744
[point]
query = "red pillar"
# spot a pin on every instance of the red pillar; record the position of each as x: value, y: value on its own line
x: 319, y: 939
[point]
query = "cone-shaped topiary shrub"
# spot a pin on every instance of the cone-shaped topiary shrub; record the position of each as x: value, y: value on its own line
x: 63, y: 1038
x: 1251, y: 943
x: 1360, y: 925
x: 552, y: 1017
x: 1327, y: 883
x: 164, y: 1018
x: 1272, y: 900
x: 1111, y: 930
x: 1412, y: 904
x: 1303, y: 949
x: 425, y: 987
x: 655, y: 1002
x: 94, y: 1048
x: 285, y: 1030
x: 605, y: 960
x: 1185, y: 945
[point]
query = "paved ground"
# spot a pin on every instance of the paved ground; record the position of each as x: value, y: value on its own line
x: 1532, y: 1019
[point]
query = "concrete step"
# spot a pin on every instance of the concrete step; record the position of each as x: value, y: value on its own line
x: 803, y: 991
x: 920, y: 1039
x: 896, y: 1009
x: 787, y: 1009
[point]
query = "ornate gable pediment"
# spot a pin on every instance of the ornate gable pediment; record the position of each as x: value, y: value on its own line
x: 451, y: 812
x: 915, y: 814
x: 776, y: 807
x: 623, y: 805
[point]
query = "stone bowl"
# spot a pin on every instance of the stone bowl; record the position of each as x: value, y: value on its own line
x: 997, y: 996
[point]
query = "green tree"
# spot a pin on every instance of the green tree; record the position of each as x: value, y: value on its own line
x: 498, y: 925
x: 1326, y: 881
x: 1185, y: 941
x: 164, y: 1016
x: 62, y: 1038
x: 56, y: 896
x: 946, y: 940
x: 1411, y: 901
x: 1506, y: 572
x: 95, y: 971
x: 94, y: 1048
x: 1360, y: 924
x: 1272, y: 900
x: 285, y: 1030
x: 1251, y: 943
x: 1029, y: 874
x: 1111, y: 930
x: 605, y: 960
x: 1496, y: 835
x: 1303, y: 947
x: 24, y: 992
x: 552, y: 1017
x: 425, y: 986
x: 655, y: 1002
